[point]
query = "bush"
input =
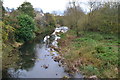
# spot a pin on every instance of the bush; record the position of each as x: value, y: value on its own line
x: 6, y: 31
x: 27, y: 29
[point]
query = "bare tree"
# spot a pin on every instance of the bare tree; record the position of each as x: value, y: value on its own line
x: 73, y: 15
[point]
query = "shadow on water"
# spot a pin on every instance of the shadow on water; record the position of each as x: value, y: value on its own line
x: 27, y: 53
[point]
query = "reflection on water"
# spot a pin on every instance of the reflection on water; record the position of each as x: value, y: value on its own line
x: 37, y: 61
x: 27, y: 55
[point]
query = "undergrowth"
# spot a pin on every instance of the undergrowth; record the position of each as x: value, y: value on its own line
x: 97, y: 51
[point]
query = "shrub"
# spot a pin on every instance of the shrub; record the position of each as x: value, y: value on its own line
x: 6, y: 31
x: 27, y: 29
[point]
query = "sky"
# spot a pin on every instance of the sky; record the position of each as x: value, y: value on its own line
x: 45, y: 5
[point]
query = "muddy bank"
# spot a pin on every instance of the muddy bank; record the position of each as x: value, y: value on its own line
x: 70, y: 67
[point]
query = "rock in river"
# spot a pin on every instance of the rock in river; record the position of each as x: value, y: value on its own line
x: 45, y: 66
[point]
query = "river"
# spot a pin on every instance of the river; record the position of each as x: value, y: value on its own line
x: 37, y: 59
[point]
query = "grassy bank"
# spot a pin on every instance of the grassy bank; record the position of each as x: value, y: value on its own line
x: 93, y: 53
x: 10, y: 57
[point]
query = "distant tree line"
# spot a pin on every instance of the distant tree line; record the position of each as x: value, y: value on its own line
x: 103, y: 17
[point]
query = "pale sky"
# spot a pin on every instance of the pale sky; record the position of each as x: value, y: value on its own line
x: 45, y: 5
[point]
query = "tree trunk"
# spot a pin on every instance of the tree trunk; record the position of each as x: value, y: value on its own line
x: 77, y: 33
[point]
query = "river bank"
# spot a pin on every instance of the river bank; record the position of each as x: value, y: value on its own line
x: 10, y: 56
x: 94, y: 54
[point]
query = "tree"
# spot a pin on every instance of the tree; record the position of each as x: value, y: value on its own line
x: 50, y: 19
x: 27, y: 8
x: 73, y: 15
x: 27, y: 30
x: 3, y: 12
x: 39, y: 18
x: 109, y: 18
x: 60, y: 20
x: 103, y: 18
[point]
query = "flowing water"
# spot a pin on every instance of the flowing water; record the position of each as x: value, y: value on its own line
x: 37, y: 59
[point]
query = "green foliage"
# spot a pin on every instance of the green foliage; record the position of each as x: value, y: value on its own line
x: 91, y: 70
x: 9, y: 20
x: 107, y: 54
x: 27, y: 8
x: 24, y: 34
x: 26, y: 21
x: 62, y: 35
x: 6, y: 30
x: 27, y: 29
x: 100, y: 48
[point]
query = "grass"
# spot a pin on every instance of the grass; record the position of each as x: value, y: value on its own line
x: 98, y: 52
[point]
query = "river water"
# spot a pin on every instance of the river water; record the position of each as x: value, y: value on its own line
x: 37, y: 59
